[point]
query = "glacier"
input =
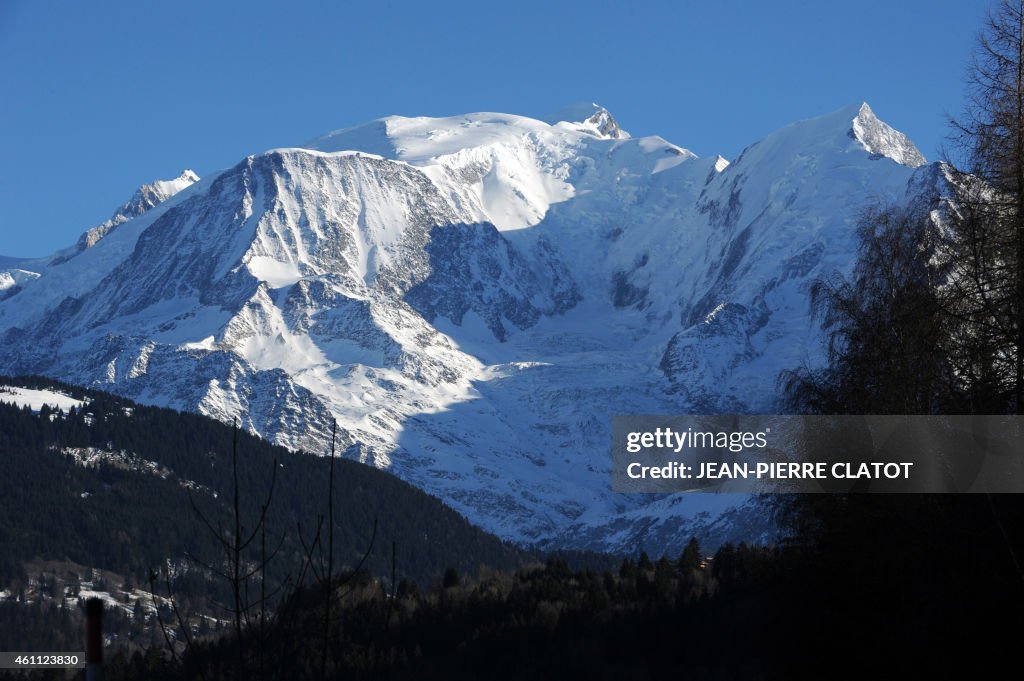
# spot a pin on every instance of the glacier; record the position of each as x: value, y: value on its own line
x: 473, y: 297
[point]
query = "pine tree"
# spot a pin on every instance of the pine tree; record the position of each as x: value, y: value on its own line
x: 690, y: 559
x: 451, y: 578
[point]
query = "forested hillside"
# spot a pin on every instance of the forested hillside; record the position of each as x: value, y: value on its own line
x: 121, y: 489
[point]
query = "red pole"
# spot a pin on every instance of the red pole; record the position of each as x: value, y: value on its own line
x: 94, y: 640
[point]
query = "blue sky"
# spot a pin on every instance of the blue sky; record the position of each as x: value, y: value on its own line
x: 97, y: 98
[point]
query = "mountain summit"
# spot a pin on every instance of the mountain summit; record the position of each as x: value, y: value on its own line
x: 879, y: 138
x: 588, y: 117
x: 145, y: 197
x: 473, y: 298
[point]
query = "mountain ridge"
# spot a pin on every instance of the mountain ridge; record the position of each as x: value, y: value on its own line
x: 473, y: 297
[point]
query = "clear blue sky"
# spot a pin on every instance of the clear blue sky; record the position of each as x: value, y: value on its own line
x: 99, y: 97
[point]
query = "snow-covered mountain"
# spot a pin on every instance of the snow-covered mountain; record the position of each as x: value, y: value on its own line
x: 16, y: 273
x: 145, y: 197
x: 473, y: 297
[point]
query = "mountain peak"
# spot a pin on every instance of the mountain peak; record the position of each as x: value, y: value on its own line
x: 880, y: 138
x: 165, y: 189
x: 145, y: 197
x: 853, y: 128
x: 590, y: 118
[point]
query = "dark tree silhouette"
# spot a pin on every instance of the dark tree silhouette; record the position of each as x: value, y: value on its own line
x: 888, y: 338
x: 987, y: 239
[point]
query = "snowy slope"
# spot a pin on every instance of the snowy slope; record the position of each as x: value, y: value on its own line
x: 15, y: 277
x: 73, y: 271
x: 35, y: 399
x: 145, y: 197
x: 16, y: 273
x: 473, y: 297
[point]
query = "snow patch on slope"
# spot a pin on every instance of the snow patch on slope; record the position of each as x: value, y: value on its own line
x: 35, y: 399
x: 277, y: 274
x: 16, y: 277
